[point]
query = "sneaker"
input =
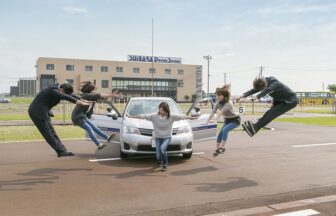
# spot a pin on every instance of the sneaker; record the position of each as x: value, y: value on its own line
x: 111, y: 137
x: 101, y: 146
x: 251, y: 125
x: 247, y: 129
x: 159, y: 162
x: 164, y: 168
x: 65, y: 154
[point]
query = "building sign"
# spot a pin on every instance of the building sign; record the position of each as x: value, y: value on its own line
x: 169, y: 60
x: 198, y: 82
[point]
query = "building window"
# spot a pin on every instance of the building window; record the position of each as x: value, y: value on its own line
x: 180, y: 72
x: 119, y: 69
x: 179, y: 83
x: 136, y: 70
x: 167, y: 71
x: 104, y: 69
x: 70, y: 67
x: 70, y: 81
x: 88, y: 68
x: 105, y: 83
x: 50, y: 66
x: 152, y: 70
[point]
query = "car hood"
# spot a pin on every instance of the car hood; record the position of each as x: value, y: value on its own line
x: 141, y: 123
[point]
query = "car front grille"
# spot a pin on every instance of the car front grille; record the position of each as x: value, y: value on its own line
x: 149, y: 132
x: 150, y: 148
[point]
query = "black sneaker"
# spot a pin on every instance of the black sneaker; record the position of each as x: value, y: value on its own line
x: 65, y: 154
x: 101, y: 146
x: 164, y: 168
x: 159, y: 162
x: 247, y: 129
x: 251, y: 125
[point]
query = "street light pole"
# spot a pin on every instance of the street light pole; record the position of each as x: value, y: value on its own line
x: 208, y: 58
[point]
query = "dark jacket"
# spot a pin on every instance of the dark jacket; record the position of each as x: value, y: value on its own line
x: 46, y: 100
x: 81, y: 112
x: 277, y: 90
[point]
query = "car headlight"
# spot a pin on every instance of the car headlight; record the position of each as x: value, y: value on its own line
x: 131, y: 130
x: 185, y: 129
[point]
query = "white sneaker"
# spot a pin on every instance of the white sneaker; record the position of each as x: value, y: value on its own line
x: 101, y: 146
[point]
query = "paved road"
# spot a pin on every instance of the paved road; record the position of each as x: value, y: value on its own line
x: 272, y: 168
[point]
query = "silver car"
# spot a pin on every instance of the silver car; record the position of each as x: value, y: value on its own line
x: 135, y: 135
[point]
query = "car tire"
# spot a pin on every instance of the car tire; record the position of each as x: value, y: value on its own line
x: 123, y: 155
x: 187, y: 155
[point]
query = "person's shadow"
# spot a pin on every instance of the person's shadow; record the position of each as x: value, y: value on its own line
x: 41, y: 176
x: 236, y: 183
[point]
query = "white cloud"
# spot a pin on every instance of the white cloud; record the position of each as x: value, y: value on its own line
x: 76, y: 10
x: 280, y: 10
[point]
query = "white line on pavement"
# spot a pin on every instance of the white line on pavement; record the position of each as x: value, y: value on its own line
x: 307, y: 212
x: 313, y: 145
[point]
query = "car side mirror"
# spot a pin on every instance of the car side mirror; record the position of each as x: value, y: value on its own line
x: 195, y: 112
x: 112, y: 113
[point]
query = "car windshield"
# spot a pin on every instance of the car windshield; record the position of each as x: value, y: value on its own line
x: 141, y: 107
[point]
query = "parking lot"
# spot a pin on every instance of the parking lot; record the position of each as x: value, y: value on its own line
x: 294, y: 162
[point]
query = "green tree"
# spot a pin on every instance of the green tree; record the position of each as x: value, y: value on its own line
x: 332, y: 88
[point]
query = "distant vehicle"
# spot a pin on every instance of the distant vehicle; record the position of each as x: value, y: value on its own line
x: 4, y: 100
x: 316, y: 98
x: 266, y: 99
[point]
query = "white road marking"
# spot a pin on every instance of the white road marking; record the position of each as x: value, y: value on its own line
x: 306, y: 212
x: 313, y: 145
x: 104, y: 159
x: 113, y: 159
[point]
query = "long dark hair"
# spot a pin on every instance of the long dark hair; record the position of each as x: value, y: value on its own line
x: 88, y: 87
x: 165, y: 107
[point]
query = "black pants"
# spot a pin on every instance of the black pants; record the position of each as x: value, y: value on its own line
x: 48, y: 132
x: 276, y: 111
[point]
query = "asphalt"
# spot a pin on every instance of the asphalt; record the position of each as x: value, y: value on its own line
x: 264, y: 170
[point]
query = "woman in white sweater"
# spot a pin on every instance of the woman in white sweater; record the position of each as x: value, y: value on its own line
x: 232, y: 119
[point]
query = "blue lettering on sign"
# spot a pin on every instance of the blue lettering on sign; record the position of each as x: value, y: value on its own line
x: 155, y: 59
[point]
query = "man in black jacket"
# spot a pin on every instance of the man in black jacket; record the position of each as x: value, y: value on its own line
x: 40, y: 111
x: 284, y: 99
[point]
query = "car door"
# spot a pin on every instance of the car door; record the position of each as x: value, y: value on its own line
x: 201, y: 131
x: 110, y: 122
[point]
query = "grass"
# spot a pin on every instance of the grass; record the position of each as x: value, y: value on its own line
x: 327, y: 121
x: 25, y: 116
x: 26, y: 133
x: 21, y: 100
x: 329, y: 111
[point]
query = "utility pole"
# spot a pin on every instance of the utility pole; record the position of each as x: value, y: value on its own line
x: 208, y: 58
x: 152, y: 69
x: 224, y: 78
x: 261, y: 71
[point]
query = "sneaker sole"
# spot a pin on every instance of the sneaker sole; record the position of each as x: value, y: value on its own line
x: 246, y: 130
x: 251, y: 126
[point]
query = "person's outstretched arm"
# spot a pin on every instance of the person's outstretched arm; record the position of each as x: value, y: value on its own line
x: 111, y: 95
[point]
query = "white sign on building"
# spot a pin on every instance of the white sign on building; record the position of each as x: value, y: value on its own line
x: 155, y: 59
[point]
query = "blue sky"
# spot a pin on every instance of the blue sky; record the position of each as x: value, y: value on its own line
x: 294, y: 40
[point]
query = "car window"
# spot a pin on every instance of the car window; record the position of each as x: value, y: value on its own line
x: 136, y: 108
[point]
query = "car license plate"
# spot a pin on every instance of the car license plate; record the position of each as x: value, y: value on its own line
x: 153, y: 143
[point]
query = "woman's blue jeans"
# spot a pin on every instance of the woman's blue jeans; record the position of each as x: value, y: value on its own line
x: 87, y: 125
x: 161, y: 149
x: 224, y: 132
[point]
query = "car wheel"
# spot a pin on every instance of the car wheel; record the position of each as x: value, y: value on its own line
x: 123, y: 155
x: 187, y: 156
